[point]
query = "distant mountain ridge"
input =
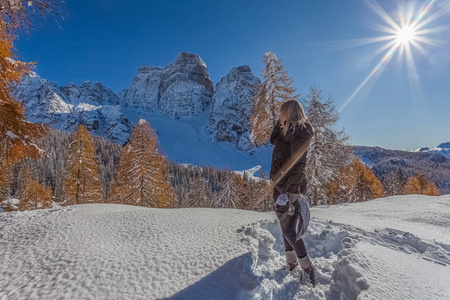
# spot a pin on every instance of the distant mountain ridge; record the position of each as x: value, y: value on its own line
x: 443, y: 149
x: 435, y: 165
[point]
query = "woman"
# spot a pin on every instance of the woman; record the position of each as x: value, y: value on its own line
x: 291, y: 137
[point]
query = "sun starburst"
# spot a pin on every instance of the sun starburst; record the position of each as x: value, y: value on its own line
x: 404, y: 35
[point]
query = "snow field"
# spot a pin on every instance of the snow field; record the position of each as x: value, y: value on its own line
x: 101, y: 251
x: 392, y: 248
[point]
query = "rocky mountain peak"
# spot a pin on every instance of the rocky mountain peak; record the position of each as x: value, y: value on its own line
x: 182, y: 89
x: 92, y: 105
x: 231, y: 107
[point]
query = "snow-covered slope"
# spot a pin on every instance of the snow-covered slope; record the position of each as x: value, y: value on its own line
x: 393, y: 248
x: 443, y: 149
x: 188, y: 141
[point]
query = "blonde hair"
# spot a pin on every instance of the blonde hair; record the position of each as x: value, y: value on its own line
x: 294, y: 114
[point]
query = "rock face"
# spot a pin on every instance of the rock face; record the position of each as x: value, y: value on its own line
x: 93, y: 106
x: 231, y: 107
x: 95, y: 93
x: 182, y: 89
x: 143, y: 94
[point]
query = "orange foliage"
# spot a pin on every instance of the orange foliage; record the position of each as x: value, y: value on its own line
x: 142, y: 176
x: 355, y: 183
x: 421, y: 185
x: 276, y: 89
x: 33, y: 195
x: 82, y: 182
x: 16, y: 133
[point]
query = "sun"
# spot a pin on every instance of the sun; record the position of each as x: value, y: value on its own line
x: 405, y: 35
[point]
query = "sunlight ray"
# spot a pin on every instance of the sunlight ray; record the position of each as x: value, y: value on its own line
x: 379, y: 50
x: 422, y: 13
x: 377, y: 70
x: 420, y: 48
x: 432, y: 30
x: 384, y: 28
x: 354, y: 43
x: 431, y: 42
x: 376, y: 8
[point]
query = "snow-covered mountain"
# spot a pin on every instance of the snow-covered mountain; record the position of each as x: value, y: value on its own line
x: 443, y: 149
x: 183, y: 89
x: 391, y: 248
x: 179, y: 96
x: 92, y: 105
x: 231, y: 107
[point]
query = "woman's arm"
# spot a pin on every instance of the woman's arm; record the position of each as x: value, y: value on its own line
x: 299, y: 145
x: 275, y: 132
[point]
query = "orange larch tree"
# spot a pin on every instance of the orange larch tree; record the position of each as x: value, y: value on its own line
x: 82, y: 182
x: 33, y: 195
x: 16, y: 133
x: 421, y: 185
x: 142, y: 176
x: 355, y: 183
x: 276, y: 88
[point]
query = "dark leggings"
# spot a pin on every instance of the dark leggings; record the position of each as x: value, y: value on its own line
x: 288, y: 229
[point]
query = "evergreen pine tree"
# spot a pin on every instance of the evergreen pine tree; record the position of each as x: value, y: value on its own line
x: 249, y: 193
x: 394, y: 183
x: 276, y: 88
x: 197, y: 195
x: 229, y: 196
x: 82, y: 181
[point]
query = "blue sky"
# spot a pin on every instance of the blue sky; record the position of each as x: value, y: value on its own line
x: 107, y: 41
